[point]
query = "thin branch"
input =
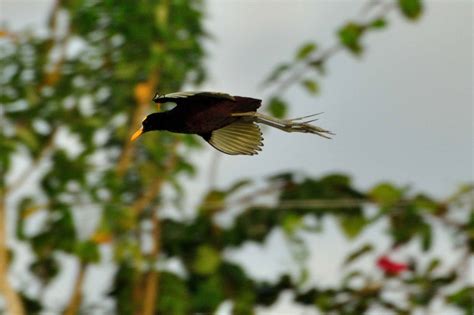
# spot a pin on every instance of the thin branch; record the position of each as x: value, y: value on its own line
x: 53, y: 15
x: 300, y: 204
x: 154, y: 188
x: 76, y: 297
x: 251, y: 197
x: 300, y: 70
x: 149, y: 281
x: 152, y: 276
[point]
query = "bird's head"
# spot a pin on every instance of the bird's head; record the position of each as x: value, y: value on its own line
x: 149, y: 123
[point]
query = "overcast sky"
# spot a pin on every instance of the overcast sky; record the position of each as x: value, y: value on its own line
x: 403, y: 112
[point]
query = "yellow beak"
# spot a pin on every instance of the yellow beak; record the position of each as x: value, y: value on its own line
x: 136, y: 134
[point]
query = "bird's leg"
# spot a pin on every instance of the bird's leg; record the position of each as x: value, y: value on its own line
x: 288, y: 125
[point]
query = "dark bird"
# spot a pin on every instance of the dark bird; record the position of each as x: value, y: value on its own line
x: 227, y: 122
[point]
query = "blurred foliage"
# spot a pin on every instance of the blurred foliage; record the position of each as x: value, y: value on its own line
x: 70, y: 101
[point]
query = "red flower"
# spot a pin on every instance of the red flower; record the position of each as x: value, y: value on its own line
x: 390, y: 267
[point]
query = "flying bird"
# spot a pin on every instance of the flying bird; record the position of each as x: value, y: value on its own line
x: 228, y: 123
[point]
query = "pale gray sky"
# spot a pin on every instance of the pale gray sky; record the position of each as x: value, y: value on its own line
x: 403, y: 112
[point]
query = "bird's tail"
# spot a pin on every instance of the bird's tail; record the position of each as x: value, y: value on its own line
x: 299, y: 124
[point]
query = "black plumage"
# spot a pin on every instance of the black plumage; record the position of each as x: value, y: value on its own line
x: 227, y: 122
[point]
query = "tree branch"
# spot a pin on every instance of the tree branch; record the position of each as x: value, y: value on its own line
x: 152, y: 276
x: 76, y: 297
x: 12, y: 299
x: 299, y: 70
x: 149, y: 281
x: 154, y: 188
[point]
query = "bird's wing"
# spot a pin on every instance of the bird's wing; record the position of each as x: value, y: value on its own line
x: 179, y: 96
x: 240, y: 137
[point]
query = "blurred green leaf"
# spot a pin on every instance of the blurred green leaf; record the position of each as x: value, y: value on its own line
x: 277, y: 107
x: 433, y: 265
x: 291, y: 223
x: 173, y: 297
x: 305, y: 50
x: 88, y: 252
x: 244, y: 303
x: 349, y: 36
x: 311, y: 86
x: 385, y: 194
x: 463, y: 298
x: 411, y: 8
x: 207, y: 260
x: 28, y: 138
x: 352, y: 225
x: 356, y: 254
x: 424, y: 202
x: 208, y: 295
x: 239, y: 185
x: 213, y: 202
x: 378, y: 23
x: 426, y: 237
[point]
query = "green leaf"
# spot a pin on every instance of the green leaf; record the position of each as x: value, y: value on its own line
x: 311, y: 86
x: 28, y: 138
x: 277, y: 107
x: 425, y: 203
x: 426, y: 237
x: 305, y: 50
x: 174, y: 297
x: 352, y: 225
x: 434, y: 263
x: 244, y: 303
x: 208, y: 295
x: 213, y: 202
x: 207, y: 260
x: 463, y: 299
x: 378, y: 23
x: 239, y: 185
x: 411, y: 8
x: 291, y: 223
x: 367, y: 248
x: 349, y: 36
x: 350, y: 276
x: 88, y: 252
x: 385, y: 194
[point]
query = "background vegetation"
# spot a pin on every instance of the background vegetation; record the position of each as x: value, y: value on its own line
x: 70, y: 112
